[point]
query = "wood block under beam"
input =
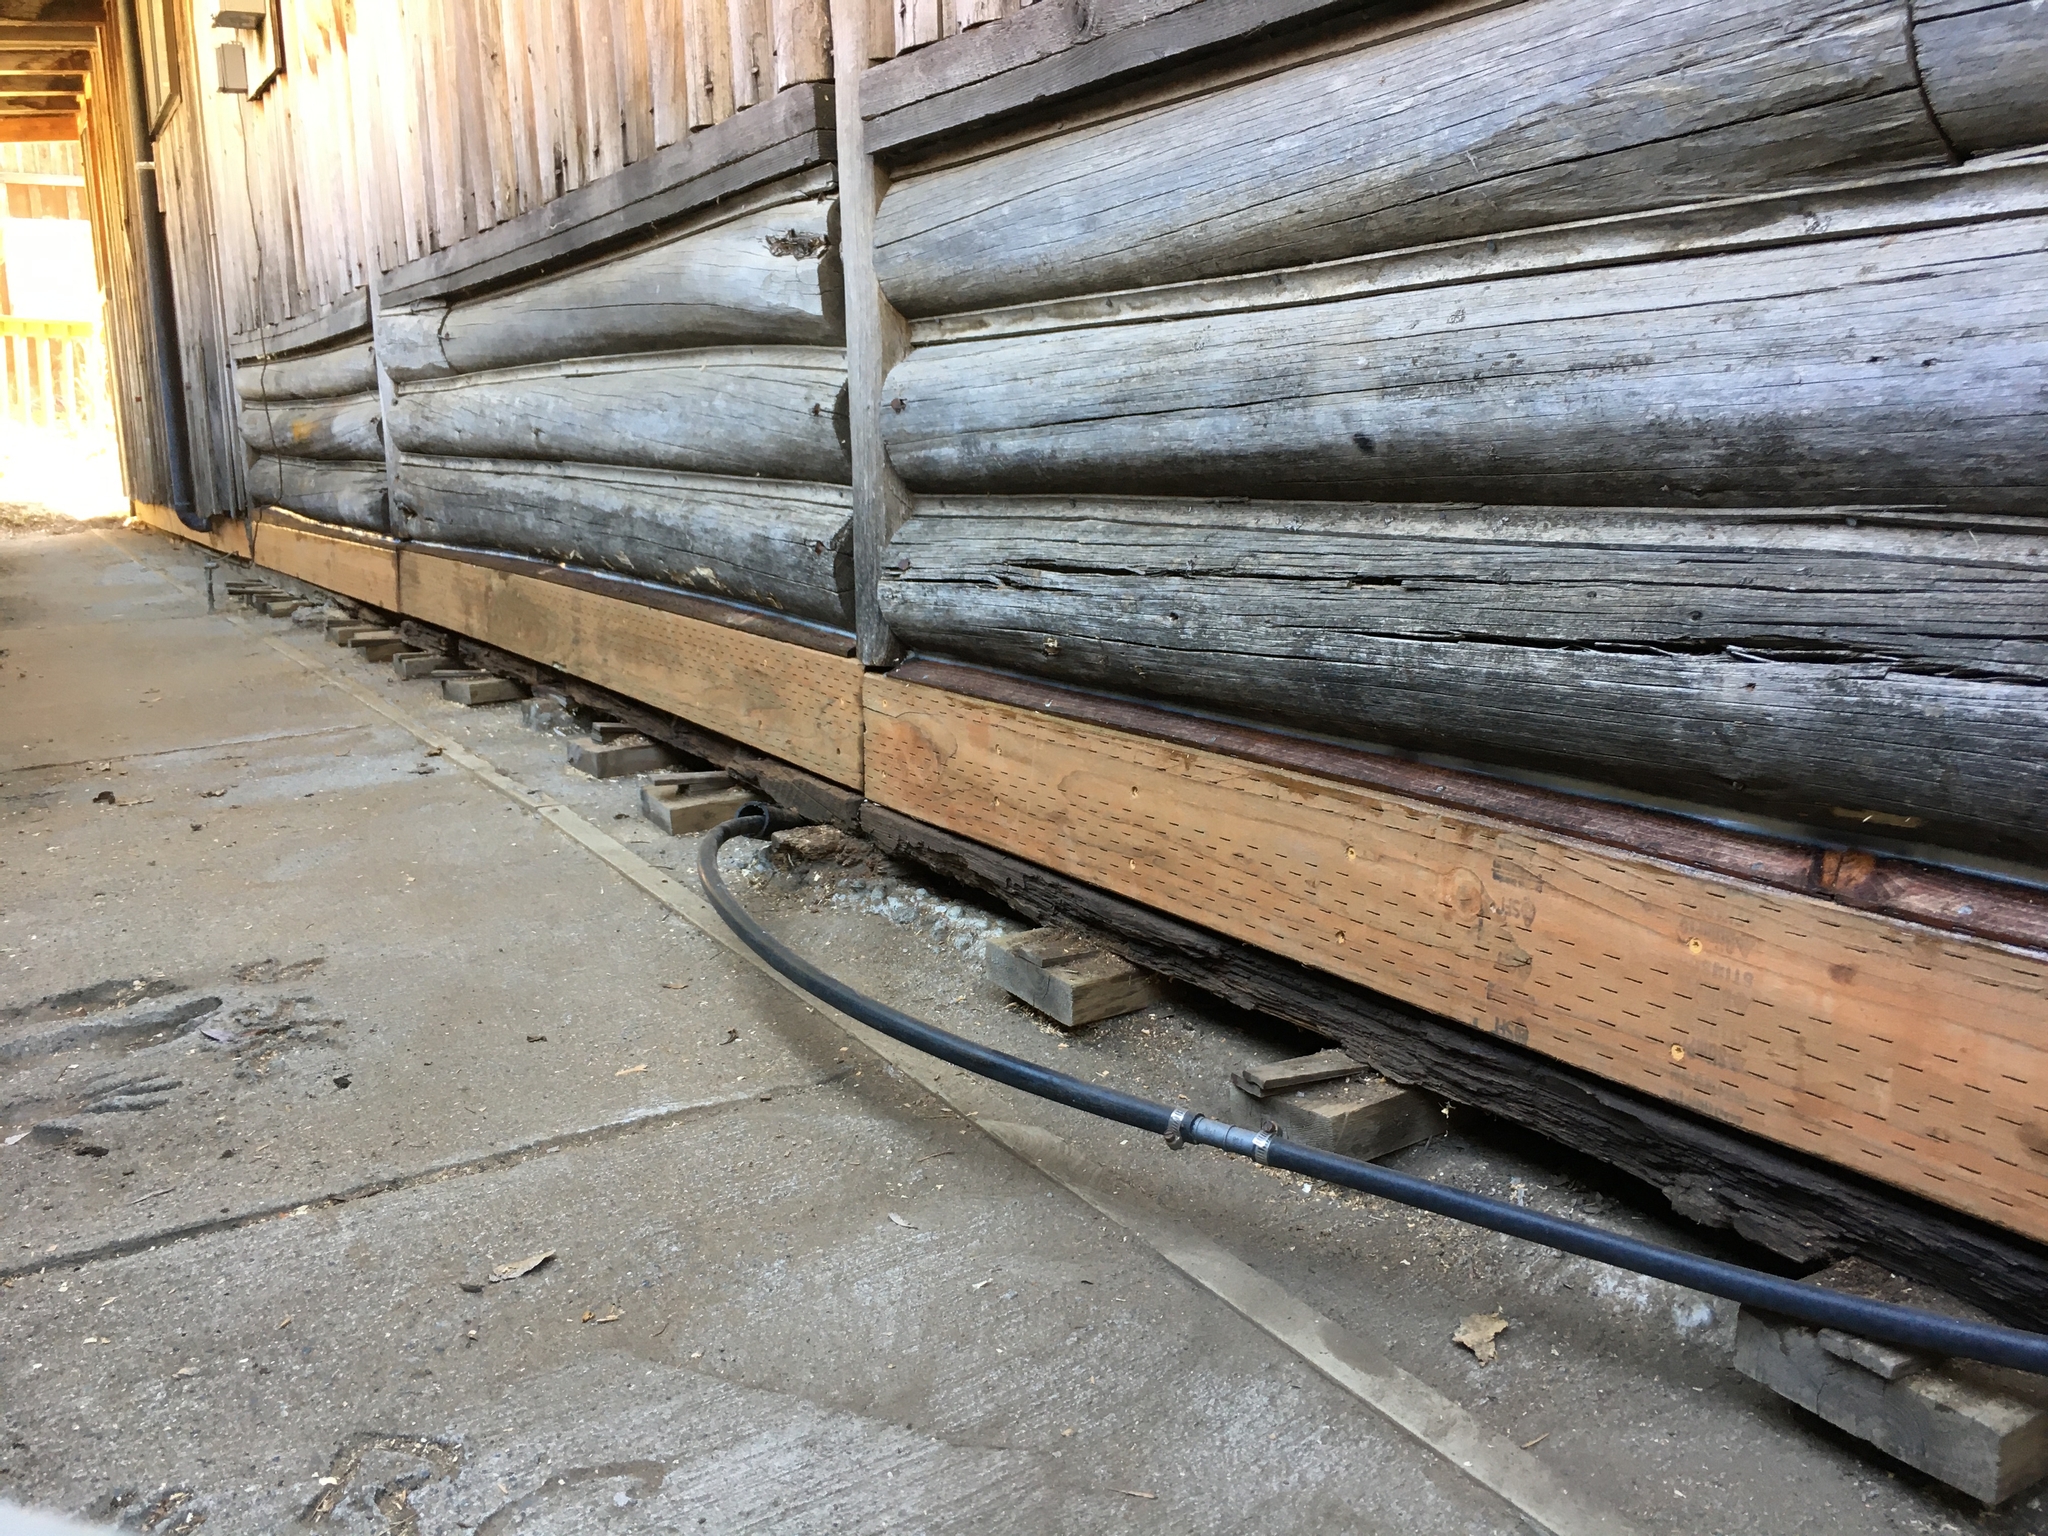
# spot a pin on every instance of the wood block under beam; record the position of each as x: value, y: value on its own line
x: 797, y: 704
x: 364, y: 568
x: 1071, y: 979
x: 1904, y: 1053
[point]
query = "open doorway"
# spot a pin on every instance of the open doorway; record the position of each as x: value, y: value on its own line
x: 59, y: 461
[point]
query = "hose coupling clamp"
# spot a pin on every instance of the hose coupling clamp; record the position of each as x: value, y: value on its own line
x: 1261, y: 1145
x: 1177, y: 1126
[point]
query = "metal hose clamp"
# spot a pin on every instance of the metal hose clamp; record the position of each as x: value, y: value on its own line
x: 1177, y: 1124
x: 1261, y: 1145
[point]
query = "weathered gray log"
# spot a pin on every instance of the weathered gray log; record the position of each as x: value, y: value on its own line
x: 348, y: 370
x: 324, y: 490
x: 348, y: 428
x: 1523, y: 115
x: 776, y: 411
x: 1854, y: 371
x: 1314, y: 578
x: 1938, y: 759
x: 771, y: 276
x: 1985, y: 67
x: 776, y: 543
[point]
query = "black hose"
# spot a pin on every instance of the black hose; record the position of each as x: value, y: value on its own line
x: 1904, y: 1327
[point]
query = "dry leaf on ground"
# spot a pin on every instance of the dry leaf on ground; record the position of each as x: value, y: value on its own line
x: 1478, y: 1332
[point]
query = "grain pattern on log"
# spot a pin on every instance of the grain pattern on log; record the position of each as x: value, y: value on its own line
x: 1857, y: 371
x: 770, y: 276
x: 1525, y: 115
x: 1309, y: 579
x: 725, y: 411
x: 347, y: 370
x: 345, y: 428
x: 1805, y: 1209
x: 1324, y: 640
x: 326, y: 491
x: 1911, y: 890
x: 1985, y: 67
x: 1846, y: 1035
x: 781, y: 544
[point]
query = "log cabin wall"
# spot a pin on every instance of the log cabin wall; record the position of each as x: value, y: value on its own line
x: 1645, y: 393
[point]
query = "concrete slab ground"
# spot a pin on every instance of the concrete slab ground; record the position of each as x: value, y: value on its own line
x: 322, y: 1026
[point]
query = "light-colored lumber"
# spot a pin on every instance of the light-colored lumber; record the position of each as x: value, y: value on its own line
x: 351, y: 494
x: 1985, y: 69
x: 767, y: 276
x: 1855, y: 370
x: 226, y: 535
x: 474, y: 691
x: 781, y: 544
x: 791, y: 702
x: 1908, y: 1055
x: 364, y: 569
x: 347, y: 428
x: 1068, y: 977
x: 747, y: 411
x: 1509, y: 116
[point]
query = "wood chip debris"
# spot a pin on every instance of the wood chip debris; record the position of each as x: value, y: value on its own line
x: 901, y: 1222
x: 520, y: 1267
x: 1478, y: 1332
x: 629, y: 1071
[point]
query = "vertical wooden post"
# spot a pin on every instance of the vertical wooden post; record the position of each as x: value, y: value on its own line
x: 753, y: 51
x: 17, y: 381
x: 707, y: 47
x: 60, y: 365
x: 876, y: 336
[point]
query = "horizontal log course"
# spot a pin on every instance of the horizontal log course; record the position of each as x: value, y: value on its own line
x: 1799, y: 1206
x: 1918, y: 591
x: 1857, y: 371
x: 347, y: 428
x: 780, y: 544
x: 1517, y: 116
x: 1985, y: 68
x: 349, y: 370
x: 776, y: 411
x: 1850, y: 747
x: 351, y: 494
x: 771, y: 276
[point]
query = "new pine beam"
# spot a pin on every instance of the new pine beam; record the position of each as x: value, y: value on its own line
x: 1908, y: 1054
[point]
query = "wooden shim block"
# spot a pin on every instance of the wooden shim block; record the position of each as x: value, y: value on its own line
x: 783, y: 545
x: 347, y: 370
x: 364, y: 570
x: 1803, y: 695
x: 1794, y: 1204
x: 1367, y: 1119
x: 1070, y: 978
x: 698, y: 779
x: 414, y: 664
x: 1450, y: 126
x: 739, y: 410
x: 679, y: 812
x: 1985, y: 69
x: 381, y: 648
x: 348, y: 494
x: 1321, y: 402
x: 1830, y: 1030
x: 1978, y: 1428
x: 315, y: 429
x: 1260, y: 1078
x: 707, y: 46
x: 283, y: 607
x: 472, y: 691
x: 797, y: 704
x: 620, y: 759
